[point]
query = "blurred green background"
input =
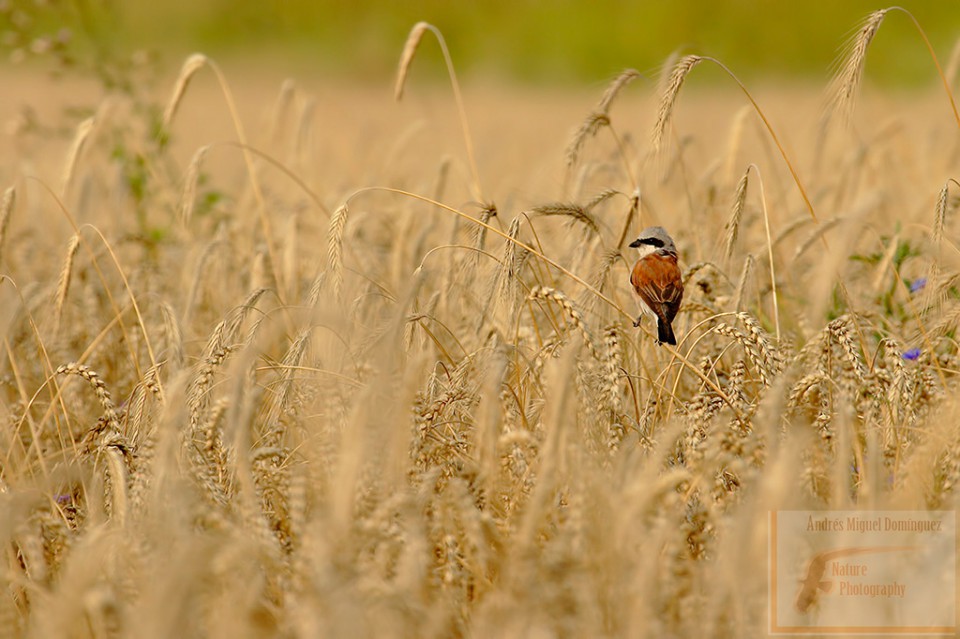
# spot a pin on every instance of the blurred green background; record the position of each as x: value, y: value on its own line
x: 561, y: 41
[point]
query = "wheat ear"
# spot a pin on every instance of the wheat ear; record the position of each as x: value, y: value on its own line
x: 335, y: 248
x: 847, y: 81
x: 79, y: 140
x: 190, y: 66
x: 191, y: 181
x: 669, y: 98
x: 733, y: 225
x: 406, y: 59
x: 600, y: 116
x: 6, y: 210
x: 570, y: 310
x: 63, y: 282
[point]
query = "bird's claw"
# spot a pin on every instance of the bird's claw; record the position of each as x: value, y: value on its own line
x: 636, y: 323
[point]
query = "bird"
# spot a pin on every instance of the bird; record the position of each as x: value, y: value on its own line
x: 657, y: 281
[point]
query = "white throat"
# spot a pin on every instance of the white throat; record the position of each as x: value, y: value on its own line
x: 645, y: 249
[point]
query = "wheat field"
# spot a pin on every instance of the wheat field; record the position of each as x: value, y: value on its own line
x: 317, y: 361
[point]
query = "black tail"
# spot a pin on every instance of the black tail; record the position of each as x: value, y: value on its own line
x: 665, y: 333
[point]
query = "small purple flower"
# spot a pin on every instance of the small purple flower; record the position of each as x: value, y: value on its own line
x: 911, y: 354
x: 918, y: 284
x: 64, y: 499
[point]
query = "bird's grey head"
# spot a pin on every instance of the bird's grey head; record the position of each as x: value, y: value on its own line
x: 654, y: 238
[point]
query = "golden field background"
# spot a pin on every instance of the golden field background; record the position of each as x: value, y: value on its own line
x: 246, y: 394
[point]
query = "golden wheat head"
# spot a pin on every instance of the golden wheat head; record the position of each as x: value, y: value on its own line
x: 406, y: 57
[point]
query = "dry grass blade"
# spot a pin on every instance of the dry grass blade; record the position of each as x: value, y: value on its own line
x: 409, y: 49
x: 190, y: 66
x: 669, y: 98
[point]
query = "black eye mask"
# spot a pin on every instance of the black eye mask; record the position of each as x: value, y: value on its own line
x: 650, y: 241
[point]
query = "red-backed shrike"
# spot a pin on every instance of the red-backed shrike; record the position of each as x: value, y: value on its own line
x: 657, y: 280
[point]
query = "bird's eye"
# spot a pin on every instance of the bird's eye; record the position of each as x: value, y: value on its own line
x: 652, y: 241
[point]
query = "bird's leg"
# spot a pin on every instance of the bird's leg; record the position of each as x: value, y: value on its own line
x: 636, y: 323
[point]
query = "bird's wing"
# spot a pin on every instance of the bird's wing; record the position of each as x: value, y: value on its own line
x: 656, y: 278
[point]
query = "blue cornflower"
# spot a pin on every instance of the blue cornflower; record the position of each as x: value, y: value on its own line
x: 911, y: 354
x: 918, y: 284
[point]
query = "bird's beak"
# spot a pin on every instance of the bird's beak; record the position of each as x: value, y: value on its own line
x: 635, y: 244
